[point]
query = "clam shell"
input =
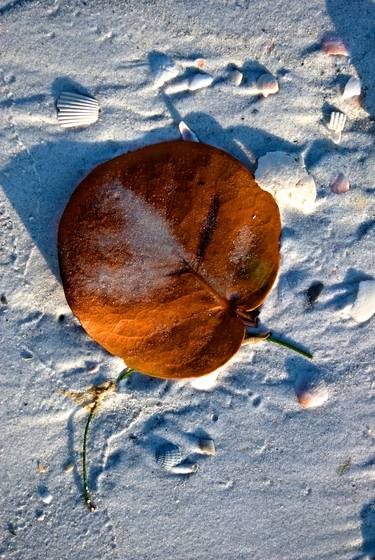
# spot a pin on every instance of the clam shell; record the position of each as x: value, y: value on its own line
x: 200, y: 81
x: 340, y: 184
x: 186, y: 133
x: 168, y: 455
x: 333, y: 45
x: 267, y: 85
x: 364, y: 306
x: 310, y: 391
x: 74, y: 109
x: 352, y: 88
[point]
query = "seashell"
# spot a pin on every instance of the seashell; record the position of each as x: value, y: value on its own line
x: 184, y: 468
x: 168, y: 455
x: 336, y: 125
x: 177, y: 87
x: 352, y: 88
x: 364, y: 306
x: 340, y: 184
x: 200, y: 81
x: 74, y: 109
x: 45, y: 496
x: 285, y: 177
x: 314, y: 397
x: 267, y: 85
x: 206, y: 446
x: 333, y: 45
x: 186, y: 133
x: 236, y: 77
x: 200, y: 63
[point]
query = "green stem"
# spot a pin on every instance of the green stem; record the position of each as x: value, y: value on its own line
x: 289, y: 345
x: 86, y: 491
x: 126, y: 373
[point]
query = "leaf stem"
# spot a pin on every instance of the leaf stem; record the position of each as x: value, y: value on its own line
x: 289, y: 345
x: 126, y: 373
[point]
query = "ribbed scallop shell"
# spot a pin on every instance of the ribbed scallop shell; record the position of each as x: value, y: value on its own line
x: 168, y: 455
x: 75, y: 109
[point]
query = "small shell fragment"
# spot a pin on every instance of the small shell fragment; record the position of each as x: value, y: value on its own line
x: 206, y: 446
x: 333, y: 45
x: 340, y: 184
x: 314, y: 397
x: 184, y: 468
x: 267, y: 85
x: 352, y: 88
x: 76, y: 110
x: 177, y: 87
x: 236, y: 77
x: 68, y: 468
x: 167, y: 72
x: 186, y: 133
x: 45, y: 496
x: 168, y: 455
x: 364, y: 306
x: 200, y: 63
x: 200, y: 81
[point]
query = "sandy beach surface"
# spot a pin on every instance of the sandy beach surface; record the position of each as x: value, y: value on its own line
x: 286, y: 482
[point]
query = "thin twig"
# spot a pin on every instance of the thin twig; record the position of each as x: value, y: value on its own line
x: 93, y: 408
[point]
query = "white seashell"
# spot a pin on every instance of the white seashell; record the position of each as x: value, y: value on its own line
x: 285, y: 177
x: 352, y: 88
x: 168, y: 455
x: 267, y: 85
x: 74, y: 109
x: 206, y: 446
x: 340, y: 184
x: 314, y: 396
x: 332, y: 44
x: 200, y: 81
x: 336, y: 124
x: 186, y: 133
x: 177, y: 87
x: 200, y: 63
x: 236, y: 77
x: 364, y: 306
x: 184, y: 468
x: 45, y: 496
x: 205, y: 382
x: 165, y: 74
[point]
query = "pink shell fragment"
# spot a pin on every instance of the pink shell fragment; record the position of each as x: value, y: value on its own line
x: 340, y: 184
x: 333, y: 45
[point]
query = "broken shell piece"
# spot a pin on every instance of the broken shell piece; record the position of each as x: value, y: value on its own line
x: 168, y: 455
x: 286, y: 178
x: 184, y: 468
x: 352, y: 88
x: 186, y: 133
x: 340, y: 184
x: 364, y: 306
x: 267, y: 85
x: 336, y: 125
x: 200, y: 81
x: 200, y: 63
x: 166, y: 72
x: 314, y: 396
x: 74, y: 109
x: 206, y: 446
x: 333, y: 45
x: 177, y: 87
x: 236, y: 77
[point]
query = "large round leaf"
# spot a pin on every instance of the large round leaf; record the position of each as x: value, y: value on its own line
x: 159, y: 247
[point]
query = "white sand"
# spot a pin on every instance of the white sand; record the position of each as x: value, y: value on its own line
x: 286, y: 483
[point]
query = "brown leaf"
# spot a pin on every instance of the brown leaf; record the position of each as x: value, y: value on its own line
x: 158, y: 248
